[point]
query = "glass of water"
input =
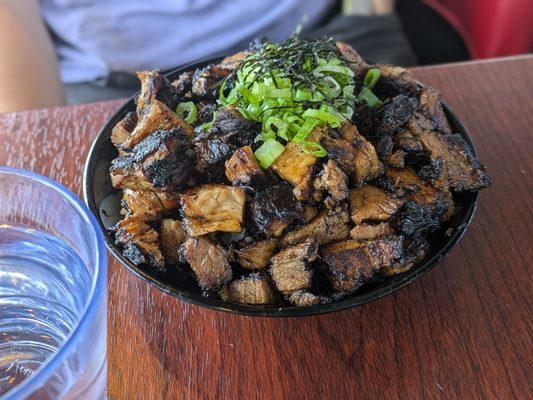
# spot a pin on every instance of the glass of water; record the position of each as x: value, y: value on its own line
x: 53, y: 269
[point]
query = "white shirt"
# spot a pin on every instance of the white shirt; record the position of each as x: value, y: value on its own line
x: 95, y: 37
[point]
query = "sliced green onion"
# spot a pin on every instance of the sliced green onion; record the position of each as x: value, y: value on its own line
x: 314, y: 149
x: 204, y: 127
x: 323, y: 114
x: 305, y: 129
x: 370, y: 98
x: 281, y: 127
x: 267, y: 153
x: 187, y: 111
x: 372, y: 77
x: 339, y: 69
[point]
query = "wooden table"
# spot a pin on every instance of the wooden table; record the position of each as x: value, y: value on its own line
x: 460, y: 332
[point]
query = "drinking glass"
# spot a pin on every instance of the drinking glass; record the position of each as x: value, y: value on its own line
x: 53, y: 269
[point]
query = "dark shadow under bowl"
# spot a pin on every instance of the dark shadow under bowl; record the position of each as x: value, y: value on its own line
x: 104, y: 201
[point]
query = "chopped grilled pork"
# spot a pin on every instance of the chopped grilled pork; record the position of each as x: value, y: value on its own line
x: 147, y: 205
x: 308, y: 213
x: 206, y: 81
x: 396, y: 113
x: 401, y: 182
x: 331, y: 182
x: 242, y: 169
x: 172, y: 237
x: 414, y: 250
x: 140, y: 242
x: 209, y: 261
x: 370, y: 231
x: 165, y: 158
x: 431, y: 105
x: 183, y: 84
x: 122, y: 130
x: 459, y: 169
x: 273, y: 209
x: 296, y: 166
x: 357, y: 159
x: 352, y: 262
x: 234, y: 61
x: 302, y: 298
x: 393, y: 81
x: 229, y: 131
x: 371, y: 204
x: 155, y: 86
x: 289, y: 269
x: 211, y: 208
x: 251, y: 289
x: 256, y: 255
x: 396, y: 159
x: 327, y: 227
x: 157, y: 117
x: 127, y: 174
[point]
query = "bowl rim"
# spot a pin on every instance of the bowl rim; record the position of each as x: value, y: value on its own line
x: 265, y: 311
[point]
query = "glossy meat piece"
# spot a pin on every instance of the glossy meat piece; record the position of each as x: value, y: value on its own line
x: 414, y: 251
x: 273, y: 209
x: 331, y: 184
x: 357, y: 159
x: 256, y: 255
x: 230, y: 131
x: 370, y: 231
x: 327, y: 227
x: 289, y: 269
x: 394, y: 81
x: 206, y: 81
x: 127, y: 174
x: 122, y: 130
x: 148, y: 205
x: 250, y: 289
x: 209, y: 261
x: 371, y: 204
x: 351, y: 262
x: 211, y: 208
x: 141, y: 244
x: 431, y: 106
x: 155, y: 86
x: 296, y: 166
x: 459, y: 169
x: 156, y: 117
x: 242, y: 169
x: 396, y: 113
x: 401, y: 182
x: 183, y: 84
x: 166, y: 159
x: 172, y: 237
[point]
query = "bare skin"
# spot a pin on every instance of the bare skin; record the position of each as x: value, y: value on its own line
x: 29, y: 72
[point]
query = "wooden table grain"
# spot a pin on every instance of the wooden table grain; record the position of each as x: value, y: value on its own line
x: 463, y: 331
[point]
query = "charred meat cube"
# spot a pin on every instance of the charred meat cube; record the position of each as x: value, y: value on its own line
x: 183, y: 84
x: 256, y: 255
x: 172, y: 237
x: 127, y: 174
x: 431, y: 106
x: 242, y: 169
x: 289, y: 269
x: 211, y: 208
x: 122, y: 130
x: 303, y: 298
x: 332, y: 182
x: 156, y: 117
x: 165, y: 158
x: 327, y: 227
x: 396, y: 159
x: 370, y: 231
x: 414, y: 250
x: 352, y: 262
x: 393, y: 81
x: 251, y: 289
x: 140, y: 243
x: 209, y: 261
x: 206, y: 81
x: 155, y: 86
x: 229, y: 131
x: 296, y: 166
x: 459, y: 169
x: 273, y: 209
x: 358, y: 159
x: 147, y: 205
x: 401, y: 182
x: 371, y: 204
x: 418, y: 218
x: 396, y: 113
x: 234, y: 61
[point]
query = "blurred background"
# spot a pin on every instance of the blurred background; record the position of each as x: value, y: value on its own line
x: 57, y: 52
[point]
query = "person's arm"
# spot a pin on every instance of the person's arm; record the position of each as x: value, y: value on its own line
x: 29, y: 73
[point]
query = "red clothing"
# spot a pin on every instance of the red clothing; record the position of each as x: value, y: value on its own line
x: 490, y: 28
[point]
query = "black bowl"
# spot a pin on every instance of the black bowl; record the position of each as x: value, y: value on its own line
x: 104, y: 201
